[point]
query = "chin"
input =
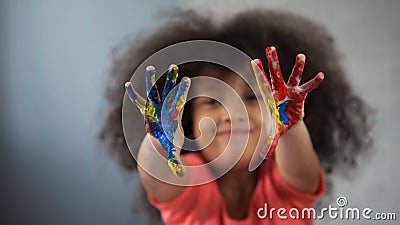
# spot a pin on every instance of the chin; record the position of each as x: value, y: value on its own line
x: 243, y: 163
x: 240, y: 167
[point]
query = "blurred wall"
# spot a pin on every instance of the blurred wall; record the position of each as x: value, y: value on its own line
x: 55, y: 61
x: 55, y: 57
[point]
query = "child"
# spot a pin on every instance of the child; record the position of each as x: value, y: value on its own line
x: 335, y: 134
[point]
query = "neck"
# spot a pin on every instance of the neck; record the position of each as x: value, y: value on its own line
x: 238, y: 179
x: 237, y: 189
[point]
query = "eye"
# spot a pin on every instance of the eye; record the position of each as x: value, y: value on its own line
x: 251, y: 97
x: 211, y: 101
x: 206, y: 101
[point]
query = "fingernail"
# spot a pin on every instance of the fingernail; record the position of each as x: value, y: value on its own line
x: 150, y: 68
x: 301, y: 57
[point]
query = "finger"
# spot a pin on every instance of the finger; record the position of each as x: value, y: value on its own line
x: 173, y: 104
x: 312, y: 84
x: 259, y: 72
x: 150, y: 78
x: 135, y: 97
x: 171, y: 80
x: 180, y: 97
x: 295, y: 77
x: 151, y: 87
x: 278, y: 84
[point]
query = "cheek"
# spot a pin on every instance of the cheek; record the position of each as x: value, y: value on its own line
x: 195, y: 128
x: 204, y: 129
x: 254, y: 113
x: 196, y: 125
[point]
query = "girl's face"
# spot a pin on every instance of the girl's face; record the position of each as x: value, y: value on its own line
x: 247, y: 126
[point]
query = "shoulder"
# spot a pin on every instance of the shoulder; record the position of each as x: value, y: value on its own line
x: 275, y: 186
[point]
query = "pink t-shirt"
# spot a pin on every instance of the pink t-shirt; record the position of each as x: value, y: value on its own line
x: 203, y: 204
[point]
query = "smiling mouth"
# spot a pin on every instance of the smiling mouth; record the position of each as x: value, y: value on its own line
x: 229, y: 133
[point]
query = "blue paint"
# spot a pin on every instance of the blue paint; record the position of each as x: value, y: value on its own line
x: 282, y: 115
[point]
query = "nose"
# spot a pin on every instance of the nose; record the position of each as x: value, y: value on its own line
x: 233, y: 112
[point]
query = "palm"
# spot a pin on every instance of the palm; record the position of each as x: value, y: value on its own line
x: 161, y: 113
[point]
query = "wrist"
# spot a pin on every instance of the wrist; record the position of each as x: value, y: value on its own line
x: 153, y: 143
x: 293, y: 129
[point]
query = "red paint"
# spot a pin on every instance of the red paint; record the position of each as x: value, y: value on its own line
x: 291, y: 92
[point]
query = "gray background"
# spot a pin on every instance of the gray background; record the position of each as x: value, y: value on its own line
x: 55, y: 57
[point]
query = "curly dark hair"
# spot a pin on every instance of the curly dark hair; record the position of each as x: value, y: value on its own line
x: 338, y: 120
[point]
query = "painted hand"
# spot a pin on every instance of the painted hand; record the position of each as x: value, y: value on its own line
x: 287, y: 105
x: 161, y: 115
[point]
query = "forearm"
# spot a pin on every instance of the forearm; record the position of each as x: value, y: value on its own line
x: 297, y: 160
x: 152, y: 162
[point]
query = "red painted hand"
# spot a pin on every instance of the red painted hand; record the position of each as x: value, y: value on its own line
x: 288, y: 105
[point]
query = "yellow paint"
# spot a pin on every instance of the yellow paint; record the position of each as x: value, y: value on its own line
x: 275, y: 112
x: 176, y: 169
x: 180, y: 103
x: 150, y: 112
x: 175, y: 72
